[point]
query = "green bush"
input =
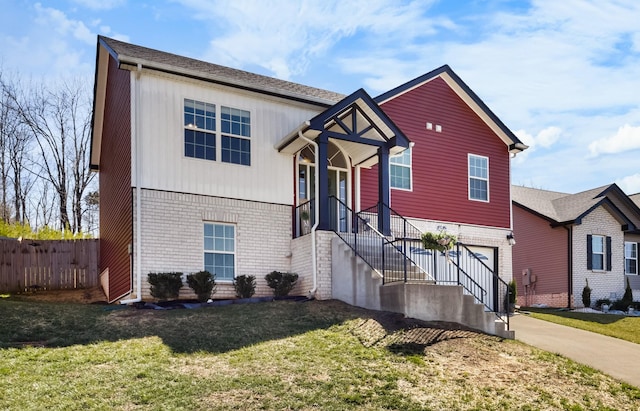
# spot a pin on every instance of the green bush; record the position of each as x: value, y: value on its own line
x: 628, y: 294
x: 586, y: 295
x: 603, y: 301
x: 245, y: 286
x: 203, y: 283
x: 165, y: 286
x: 281, y: 283
x: 513, y: 292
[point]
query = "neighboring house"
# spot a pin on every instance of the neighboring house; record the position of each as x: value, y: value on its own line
x: 565, y: 240
x: 207, y: 167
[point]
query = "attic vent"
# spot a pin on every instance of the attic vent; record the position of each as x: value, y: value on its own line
x: 429, y: 126
x: 438, y: 128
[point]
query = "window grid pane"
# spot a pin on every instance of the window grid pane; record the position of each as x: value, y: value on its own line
x: 235, y: 121
x: 199, y: 144
x: 236, y: 150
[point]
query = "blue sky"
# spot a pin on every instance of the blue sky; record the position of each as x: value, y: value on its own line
x: 563, y: 75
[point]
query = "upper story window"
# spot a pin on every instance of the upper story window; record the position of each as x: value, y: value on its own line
x: 400, y: 170
x: 598, y: 252
x: 630, y: 258
x: 202, y: 120
x: 199, y: 129
x: 236, y: 134
x: 478, y: 178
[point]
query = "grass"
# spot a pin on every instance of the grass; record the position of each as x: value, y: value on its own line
x: 618, y: 326
x: 276, y: 356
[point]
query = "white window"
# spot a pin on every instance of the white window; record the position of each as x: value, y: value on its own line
x: 400, y: 170
x: 597, y: 252
x: 630, y: 258
x: 220, y: 250
x: 200, y: 125
x: 478, y: 178
x: 236, y: 133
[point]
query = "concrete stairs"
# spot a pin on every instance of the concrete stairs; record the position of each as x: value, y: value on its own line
x: 355, y: 283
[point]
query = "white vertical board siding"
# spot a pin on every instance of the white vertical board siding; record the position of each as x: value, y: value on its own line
x: 164, y: 167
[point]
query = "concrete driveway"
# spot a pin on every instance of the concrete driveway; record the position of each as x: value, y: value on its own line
x: 617, y: 358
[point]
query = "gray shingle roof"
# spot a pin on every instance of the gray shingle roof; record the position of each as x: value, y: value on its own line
x: 127, y: 53
x: 560, y: 207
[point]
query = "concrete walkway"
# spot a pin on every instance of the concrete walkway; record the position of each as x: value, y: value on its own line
x: 617, y: 358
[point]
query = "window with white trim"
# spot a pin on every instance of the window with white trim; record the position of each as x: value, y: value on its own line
x: 630, y: 258
x: 199, y: 129
x: 597, y: 252
x: 236, y: 133
x: 478, y: 178
x: 220, y: 250
x: 400, y: 170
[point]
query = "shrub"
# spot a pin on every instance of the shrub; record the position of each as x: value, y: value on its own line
x: 628, y: 294
x: 281, y: 283
x: 165, y: 286
x: 586, y: 295
x: 513, y: 292
x: 203, y: 283
x: 245, y: 286
x: 603, y: 301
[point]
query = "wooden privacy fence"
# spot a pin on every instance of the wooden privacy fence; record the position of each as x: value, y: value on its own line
x: 48, y: 264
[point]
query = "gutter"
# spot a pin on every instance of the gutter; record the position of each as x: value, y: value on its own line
x: 314, y: 256
x: 138, y: 228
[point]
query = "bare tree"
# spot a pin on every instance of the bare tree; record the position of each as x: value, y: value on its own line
x: 59, y: 119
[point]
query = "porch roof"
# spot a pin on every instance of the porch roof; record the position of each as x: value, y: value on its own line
x: 360, y: 125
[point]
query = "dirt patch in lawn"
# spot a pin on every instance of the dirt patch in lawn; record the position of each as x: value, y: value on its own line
x: 93, y: 295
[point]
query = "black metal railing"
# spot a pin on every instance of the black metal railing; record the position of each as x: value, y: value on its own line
x: 380, y: 252
x: 459, y: 266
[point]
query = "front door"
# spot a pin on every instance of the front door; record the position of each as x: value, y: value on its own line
x: 338, y: 182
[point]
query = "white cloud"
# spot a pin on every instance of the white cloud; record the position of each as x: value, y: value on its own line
x: 630, y: 184
x: 58, y: 21
x: 626, y: 138
x: 100, y: 4
x: 285, y: 38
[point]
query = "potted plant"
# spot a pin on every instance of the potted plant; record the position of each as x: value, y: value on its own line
x: 513, y: 295
x: 441, y: 241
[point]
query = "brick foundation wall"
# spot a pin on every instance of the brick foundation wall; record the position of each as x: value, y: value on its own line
x: 172, y: 238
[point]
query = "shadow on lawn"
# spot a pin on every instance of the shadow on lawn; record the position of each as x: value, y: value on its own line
x: 212, y: 329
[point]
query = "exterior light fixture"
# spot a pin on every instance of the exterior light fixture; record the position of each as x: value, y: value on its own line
x: 511, y: 239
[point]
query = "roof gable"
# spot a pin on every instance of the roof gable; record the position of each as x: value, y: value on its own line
x: 467, y: 95
x: 131, y: 55
x: 562, y: 208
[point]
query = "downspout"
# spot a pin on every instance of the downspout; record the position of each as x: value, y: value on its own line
x: 314, y: 256
x: 570, y: 264
x: 138, y: 228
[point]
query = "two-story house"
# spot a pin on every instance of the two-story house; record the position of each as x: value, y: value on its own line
x: 207, y: 167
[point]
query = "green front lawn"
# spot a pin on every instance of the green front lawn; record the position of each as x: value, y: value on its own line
x: 618, y: 326
x: 282, y: 355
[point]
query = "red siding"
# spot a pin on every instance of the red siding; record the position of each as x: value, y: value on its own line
x: 115, y: 183
x: 544, y: 250
x: 439, y: 161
